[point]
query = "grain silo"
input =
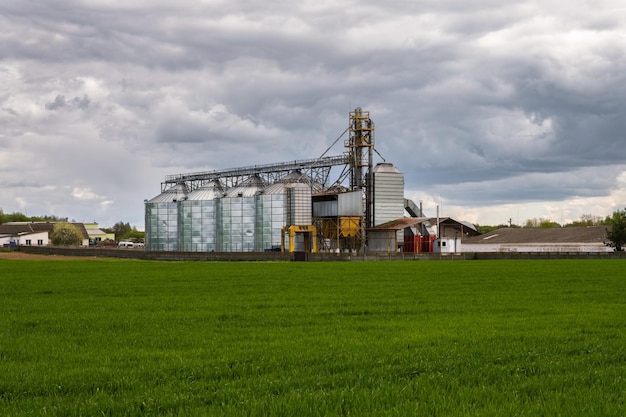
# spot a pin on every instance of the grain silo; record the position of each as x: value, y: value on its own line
x: 388, y: 193
x: 198, y: 219
x: 273, y: 210
x: 236, y: 216
x: 162, y: 219
x: 387, y: 205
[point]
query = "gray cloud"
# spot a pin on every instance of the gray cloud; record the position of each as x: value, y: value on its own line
x: 479, y: 104
x: 60, y: 102
x: 10, y: 111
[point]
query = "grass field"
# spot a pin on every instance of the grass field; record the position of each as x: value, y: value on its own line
x: 482, y: 338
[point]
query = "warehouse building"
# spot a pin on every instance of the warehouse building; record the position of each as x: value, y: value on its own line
x: 591, y: 239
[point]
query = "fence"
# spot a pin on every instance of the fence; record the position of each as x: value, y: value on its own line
x: 140, y: 253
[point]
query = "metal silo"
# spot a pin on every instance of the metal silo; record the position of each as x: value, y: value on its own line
x: 299, y: 228
x: 270, y: 217
x: 236, y: 221
x: 198, y: 219
x: 388, y: 195
x: 162, y: 219
x: 272, y: 209
x: 299, y: 206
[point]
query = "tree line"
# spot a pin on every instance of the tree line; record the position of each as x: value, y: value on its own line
x: 585, y: 220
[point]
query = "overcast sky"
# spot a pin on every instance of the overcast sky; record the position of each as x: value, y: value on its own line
x: 493, y: 110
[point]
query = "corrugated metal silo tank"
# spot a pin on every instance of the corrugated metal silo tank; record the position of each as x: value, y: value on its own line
x: 198, y: 219
x: 388, y: 195
x: 236, y: 216
x: 162, y: 219
x: 271, y: 212
x: 279, y: 206
x: 299, y: 211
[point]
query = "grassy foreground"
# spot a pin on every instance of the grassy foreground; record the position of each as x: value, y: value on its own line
x: 488, y: 338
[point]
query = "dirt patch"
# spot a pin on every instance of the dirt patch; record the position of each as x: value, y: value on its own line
x: 32, y: 256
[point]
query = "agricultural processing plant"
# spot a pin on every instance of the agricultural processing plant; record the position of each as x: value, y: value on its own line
x: 420, y: 338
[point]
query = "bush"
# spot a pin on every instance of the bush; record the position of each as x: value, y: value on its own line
x: 66, y: 234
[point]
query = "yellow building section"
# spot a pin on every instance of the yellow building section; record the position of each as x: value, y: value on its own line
x: 308, y: 233
x: 349, y: 226
x: 341, y: 227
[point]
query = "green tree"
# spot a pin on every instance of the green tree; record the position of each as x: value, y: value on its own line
x: 547, y: 224
x: 134, y: 234
x: 490, y: 228
x: 542, y: 223
x: 66, y: 234
x: 14, y: 217
x: 120, y: 229
x: 48, y: 218
x: 616, y: 232
x: 532, y: 222
x: 21, y: 217
x: 587, y: 220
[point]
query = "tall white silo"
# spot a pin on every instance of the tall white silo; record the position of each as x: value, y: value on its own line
x: 161, y: 217
x: 388, y: 195
x: 198, y: 219
x: 236, y: 221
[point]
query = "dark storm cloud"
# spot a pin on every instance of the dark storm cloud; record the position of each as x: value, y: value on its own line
x: 60, y: 102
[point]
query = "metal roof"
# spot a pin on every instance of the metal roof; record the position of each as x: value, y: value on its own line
x: 171, y: 195
x: 592, y: 234
x: 386, y: 167
x: 209, y: 191
x: 294, y: 177
x: 22, y: 228
x: 404, y: 222
x: 399, y: 224
x: 248, y: 188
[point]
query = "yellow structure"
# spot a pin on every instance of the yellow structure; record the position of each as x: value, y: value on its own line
x: 308, y: 234
x: 341, y: 233
x: 345, y: 226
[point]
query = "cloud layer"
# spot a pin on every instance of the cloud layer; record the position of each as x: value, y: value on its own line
x: 487, y: 110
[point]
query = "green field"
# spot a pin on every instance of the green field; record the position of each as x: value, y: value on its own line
x: 429, y: 338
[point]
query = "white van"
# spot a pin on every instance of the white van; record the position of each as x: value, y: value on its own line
x: 125, y: 244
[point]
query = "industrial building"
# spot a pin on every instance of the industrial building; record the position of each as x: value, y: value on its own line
x: 291, y: 206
